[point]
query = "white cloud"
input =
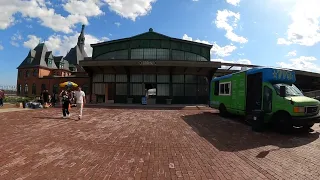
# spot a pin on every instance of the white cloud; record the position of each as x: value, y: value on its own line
x: 37, y: 9
x: 60, y: 45
x: 117, y: 24
x: 222, y: 23
x: 305, y: 63
x: 216, y: 49
x: 32, y: 42
x: 130, y: 9
x: 292, y: 53
x: 84, y: 7
x: 233, y: 2
x: 195, y: 0
x: 1, y: 47
x: 304, y: 29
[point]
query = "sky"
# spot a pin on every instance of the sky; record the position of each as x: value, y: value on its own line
x: 277, y: 33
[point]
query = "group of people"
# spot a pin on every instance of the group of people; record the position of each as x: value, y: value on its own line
x: 1, y: 97
x: 66, y: 99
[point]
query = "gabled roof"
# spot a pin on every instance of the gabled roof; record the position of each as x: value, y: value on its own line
x: 36, y: 57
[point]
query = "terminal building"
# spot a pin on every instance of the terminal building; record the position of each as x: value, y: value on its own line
x: 165, y: 69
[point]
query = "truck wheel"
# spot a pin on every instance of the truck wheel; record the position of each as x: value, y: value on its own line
x: 284, y: 124
x: 223, y: 110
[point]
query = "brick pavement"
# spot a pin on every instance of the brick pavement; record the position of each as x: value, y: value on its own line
x: 149, y: 144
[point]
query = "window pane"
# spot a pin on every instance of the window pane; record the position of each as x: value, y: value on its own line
x: 202, y: 80
x: 137, y: 54
x: 177, y: 55
x: 149, y: 78
x: 97, y: 78
x: 221, y: 88
x: 163, y: 90
x: 150, y: 54
x: 137, y: 89
x: 190, y: 90
x: 203, y: 90
x: 99, y: 88
x: 121, y: 89
x: 121, y: 78
x: 109, y: 77
x: 227, y: 88
x: 178, y: 89
x: 191, y: 56
x: 163, y: 78
x: 163, y: 54
x: 178, y: 78
x: 191, y: 79
x: 136, y: 78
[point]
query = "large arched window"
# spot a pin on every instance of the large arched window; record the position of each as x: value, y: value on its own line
x: 26, y: 89
x: 34, y: 89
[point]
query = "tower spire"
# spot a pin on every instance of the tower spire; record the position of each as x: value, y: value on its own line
x: 81, y: 39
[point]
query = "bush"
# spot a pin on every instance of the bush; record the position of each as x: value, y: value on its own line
x: 16, y: 99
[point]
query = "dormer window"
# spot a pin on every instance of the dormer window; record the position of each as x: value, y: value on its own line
x: 50, y: 62
x: 61, y: 65
x: 29, y: 60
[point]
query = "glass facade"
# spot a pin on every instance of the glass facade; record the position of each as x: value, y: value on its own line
x: 181, y: 88
x: 151, y: 54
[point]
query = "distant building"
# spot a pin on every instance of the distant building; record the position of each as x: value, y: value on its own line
x: 42, y: 70
x: 165, y: 69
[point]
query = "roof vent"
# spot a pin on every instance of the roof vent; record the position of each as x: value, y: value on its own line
x: 150, y: 30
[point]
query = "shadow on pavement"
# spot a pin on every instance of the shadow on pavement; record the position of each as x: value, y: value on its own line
x: 231, y: 135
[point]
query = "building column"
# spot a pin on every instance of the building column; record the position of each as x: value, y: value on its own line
x: 128, y: 81
x: 90, y: 85
x: 170, y: 85
x: 209, y: 77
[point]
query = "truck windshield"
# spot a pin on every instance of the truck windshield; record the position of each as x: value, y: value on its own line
x: 291, y: 90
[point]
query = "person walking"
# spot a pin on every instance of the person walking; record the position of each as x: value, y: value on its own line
x: 80, y: 100
x: 65, y: 104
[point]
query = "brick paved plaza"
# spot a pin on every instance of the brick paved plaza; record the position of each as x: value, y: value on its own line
x: 149, y: 144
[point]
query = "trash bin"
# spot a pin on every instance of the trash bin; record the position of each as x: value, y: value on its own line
x: 24, y: 104
x: 144, y: 100
x: 258, y: 120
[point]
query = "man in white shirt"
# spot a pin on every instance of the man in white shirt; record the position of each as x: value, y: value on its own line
x: 80, y: 100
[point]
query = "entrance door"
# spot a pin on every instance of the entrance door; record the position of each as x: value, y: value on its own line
x: 109, y: 94
x: 254, y: 92
x: 151, y: 92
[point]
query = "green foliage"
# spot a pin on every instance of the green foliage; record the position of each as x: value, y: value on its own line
x: 16, y: 99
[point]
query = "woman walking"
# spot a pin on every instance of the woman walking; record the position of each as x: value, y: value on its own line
x: 65, y: 104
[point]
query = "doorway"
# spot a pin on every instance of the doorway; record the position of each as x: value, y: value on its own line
x: 109, y: 94
x: 150, y: 92
x: 254, y: 92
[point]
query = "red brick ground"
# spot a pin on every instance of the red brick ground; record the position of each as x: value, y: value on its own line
x: 149, y: 144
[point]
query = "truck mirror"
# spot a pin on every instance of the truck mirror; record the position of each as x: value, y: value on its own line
x: 282, y: 91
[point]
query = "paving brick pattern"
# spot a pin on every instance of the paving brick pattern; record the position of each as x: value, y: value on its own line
x: 149, y: 144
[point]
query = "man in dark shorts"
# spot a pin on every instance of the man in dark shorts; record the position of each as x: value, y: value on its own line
x: 65, y: 104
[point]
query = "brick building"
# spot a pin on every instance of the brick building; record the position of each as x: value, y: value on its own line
x: 42, y: 70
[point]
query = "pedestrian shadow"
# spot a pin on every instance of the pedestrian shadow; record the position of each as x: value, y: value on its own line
x: 232, y: 134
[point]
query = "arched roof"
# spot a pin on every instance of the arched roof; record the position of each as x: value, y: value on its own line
x: 154, y: 40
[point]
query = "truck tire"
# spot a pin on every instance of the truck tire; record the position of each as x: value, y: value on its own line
x: 223, y: 110
x: 283, y: 122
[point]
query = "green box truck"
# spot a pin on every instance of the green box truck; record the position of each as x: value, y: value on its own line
x: 270, y: 91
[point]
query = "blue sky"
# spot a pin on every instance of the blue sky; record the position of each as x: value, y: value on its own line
x: 283, y: 33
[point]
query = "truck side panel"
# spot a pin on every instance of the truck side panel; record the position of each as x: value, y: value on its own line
x: 238, y: 100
